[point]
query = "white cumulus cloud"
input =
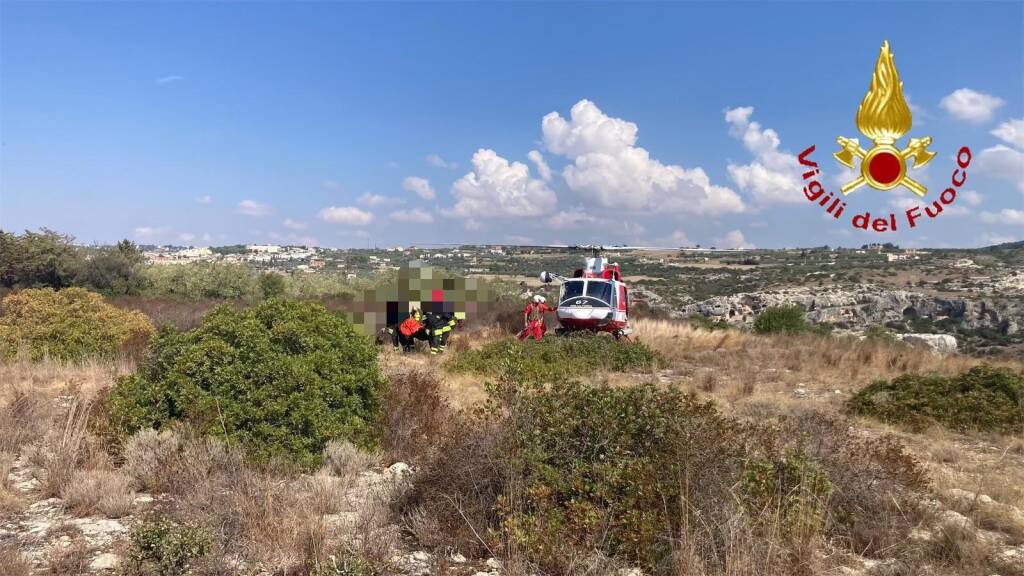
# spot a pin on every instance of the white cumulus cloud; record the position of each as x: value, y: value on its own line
x: 971, y: 197
x: 733, y: 239
x: 1004, y: 163
x: 419, y: 186
x: 150, y: 232
x: 498, y: 188
x: 294, y: 224
x: 542, y: 166
x: 773, y: 176
x: 368, y: 199
x: 345, y: 215
x: 904, y: 203
x: 416, y: 215
x: 1011, y: 132
x: 437, y: 160
x: 204, y: 199
x: 1004, y: 216
x: 570, y: 219
x: 609, y: 169
x: 253, y: 208
x: 971, y: 105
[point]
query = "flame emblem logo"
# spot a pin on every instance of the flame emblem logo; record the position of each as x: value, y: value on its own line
x: 884, y: 117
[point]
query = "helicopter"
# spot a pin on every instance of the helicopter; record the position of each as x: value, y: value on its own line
x: 595, y: 298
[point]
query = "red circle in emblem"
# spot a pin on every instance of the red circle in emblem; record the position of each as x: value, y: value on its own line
x: 885, y: 167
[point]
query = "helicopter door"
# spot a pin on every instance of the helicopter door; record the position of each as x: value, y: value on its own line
x: 623, y: 299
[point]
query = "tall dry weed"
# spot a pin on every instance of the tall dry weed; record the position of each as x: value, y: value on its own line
x: 107, y: 492
x: 63, y: 455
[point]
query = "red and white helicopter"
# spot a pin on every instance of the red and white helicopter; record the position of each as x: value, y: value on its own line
x: 594, y: 299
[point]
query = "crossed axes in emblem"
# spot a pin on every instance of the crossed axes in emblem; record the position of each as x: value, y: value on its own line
x: 916, y: 148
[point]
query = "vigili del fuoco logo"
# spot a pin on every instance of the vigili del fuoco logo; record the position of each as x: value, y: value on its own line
x: 884, y: 117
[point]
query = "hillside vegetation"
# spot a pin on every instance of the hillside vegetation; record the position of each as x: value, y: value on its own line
x: 272, y: 438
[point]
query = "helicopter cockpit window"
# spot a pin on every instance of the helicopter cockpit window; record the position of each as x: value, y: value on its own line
x: 600, y: 290
x: 572, y: 289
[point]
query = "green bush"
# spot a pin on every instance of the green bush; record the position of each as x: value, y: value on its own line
x: 649, y: 476
x: 554, y: 358
x: 784, y: 319
x: 114, y: 270
x: 203, y: 280
x: 560, y: 471
x: 38, y: 259
x: 70, y: 324
x: 598, y: 464
x: 281, y: 378
x: 983, y: 398
x: 272, y: 285
x: 162, y: 547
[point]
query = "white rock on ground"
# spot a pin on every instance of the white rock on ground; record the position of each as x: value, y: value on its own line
x: 105, y: 561
x: 938, y: 343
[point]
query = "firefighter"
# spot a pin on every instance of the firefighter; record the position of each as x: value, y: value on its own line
x: 453, y: 320
x: 435, y: 323
x: 409, y: 331
x: 533, y: 318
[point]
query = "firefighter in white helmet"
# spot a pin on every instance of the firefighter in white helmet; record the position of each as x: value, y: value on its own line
x: 533, y: 318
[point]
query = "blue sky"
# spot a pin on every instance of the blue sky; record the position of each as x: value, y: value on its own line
x: 383, y: 124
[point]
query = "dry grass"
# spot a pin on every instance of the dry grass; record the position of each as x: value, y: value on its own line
x: 107, y: 492
x: 53, y: 378
x: 742, y: 367
x: 62, y: 455
x: 344, y: 460
x: 146, y: 453
x: 69, y: 560
x: 416, y: 414
x: 12, y: 560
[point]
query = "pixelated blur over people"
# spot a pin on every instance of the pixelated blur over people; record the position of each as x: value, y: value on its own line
x: 423, y: 303
x: 533, y: 318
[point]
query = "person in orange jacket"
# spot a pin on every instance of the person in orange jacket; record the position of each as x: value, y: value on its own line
x: 533, y: 318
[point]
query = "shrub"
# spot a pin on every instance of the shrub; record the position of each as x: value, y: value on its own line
x: 104, y: 491
x: 70, y: 324
x: 874, y: 479
x: 599, y: 464
x: 415, y: 415
x: 162, y: 547
x: 272, y: 285
x: 281, y: 378
x: 554, y: 358
x: 114, y: 270
x: 344, y: 460
x: 984, y: 398
x: 146, y: 456
x: 203, y: 280
x: 560, y: 472
x: 37, y: 259
x: 784, y: 319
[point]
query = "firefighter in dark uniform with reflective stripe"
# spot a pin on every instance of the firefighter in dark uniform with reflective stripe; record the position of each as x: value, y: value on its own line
x: 435, y: 323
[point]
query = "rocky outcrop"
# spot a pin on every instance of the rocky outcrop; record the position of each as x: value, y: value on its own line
x: 866, y: 305
x: 939, y: 343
